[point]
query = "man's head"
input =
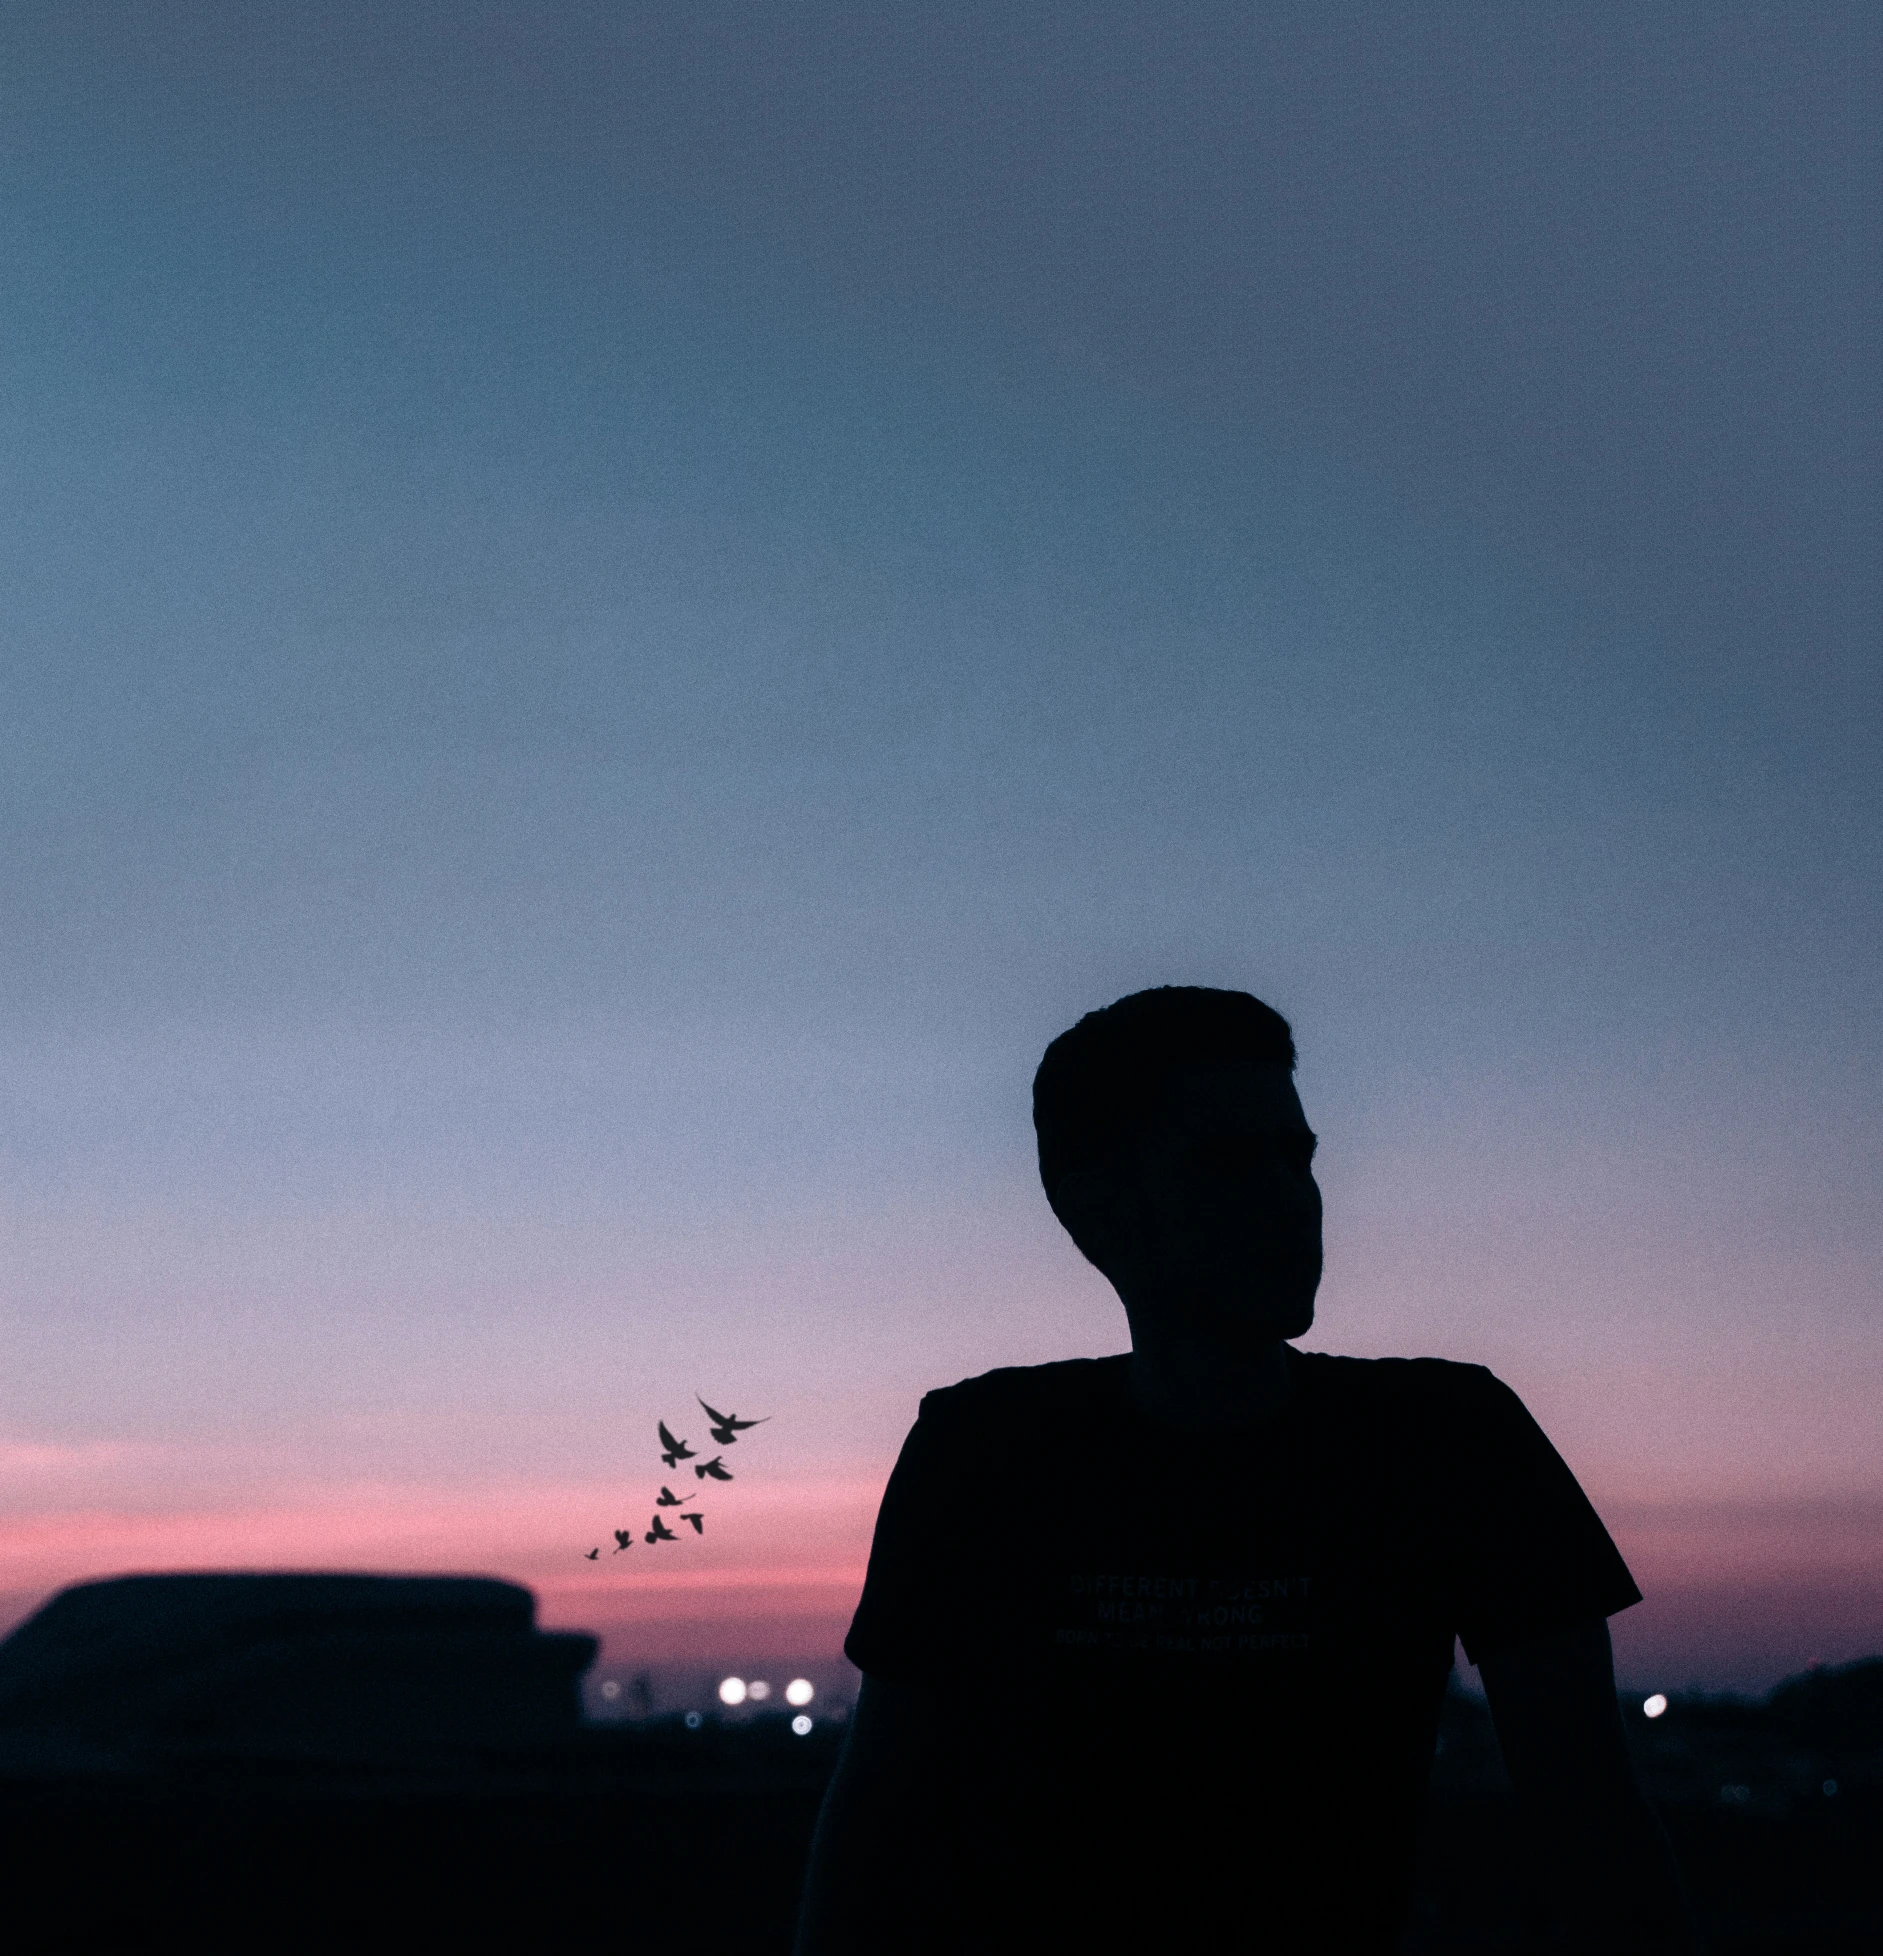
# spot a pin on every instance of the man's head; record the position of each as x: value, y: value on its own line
x: 1174, y: 1149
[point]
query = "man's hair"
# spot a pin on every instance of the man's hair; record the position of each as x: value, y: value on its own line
x: 1100, y: 1081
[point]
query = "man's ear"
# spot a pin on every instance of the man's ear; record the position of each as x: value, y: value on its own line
x: 1086, y: 1201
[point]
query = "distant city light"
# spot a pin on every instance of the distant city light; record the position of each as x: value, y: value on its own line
x: 800, y: 1691
x: 802, y: 1724
x: 611, y: 1689
x: 732, y: 1691
x: 693, y: 1721
x: 758, y: 1691
x: 1654, y: 1706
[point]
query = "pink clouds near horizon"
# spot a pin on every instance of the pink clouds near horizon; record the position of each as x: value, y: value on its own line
x: 1739, y: 1593
x: 785, y: 1551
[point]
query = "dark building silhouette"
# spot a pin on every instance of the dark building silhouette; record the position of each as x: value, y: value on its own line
x: 331, y: 1666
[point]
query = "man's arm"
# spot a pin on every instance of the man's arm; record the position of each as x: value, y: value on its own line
x: 877, y: 1860
x: 1601, y: 1848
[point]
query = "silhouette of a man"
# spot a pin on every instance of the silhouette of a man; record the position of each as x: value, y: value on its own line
x: 1186, y: 1697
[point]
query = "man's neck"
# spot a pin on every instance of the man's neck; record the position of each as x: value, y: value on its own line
x: 1187, y: 1380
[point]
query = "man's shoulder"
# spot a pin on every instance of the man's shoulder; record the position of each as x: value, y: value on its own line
x: 1425, y: 1391
x: 1071, y: 1381
x: 1026, y: 1389
x: 1415, y: 1384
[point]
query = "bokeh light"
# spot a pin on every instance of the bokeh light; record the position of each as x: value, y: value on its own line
x: 732, y: 1691
x: 800, y: 1691
x: 1652, y: 1707
x: 802, y: 1724
x: 758, y: 1691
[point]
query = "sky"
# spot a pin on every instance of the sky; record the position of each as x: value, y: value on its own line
x: 614, y: 613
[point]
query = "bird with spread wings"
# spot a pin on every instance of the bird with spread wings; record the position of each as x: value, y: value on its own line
x: 726, y: 1429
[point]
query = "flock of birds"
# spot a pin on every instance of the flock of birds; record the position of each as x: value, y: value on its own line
x: 725, y: 1430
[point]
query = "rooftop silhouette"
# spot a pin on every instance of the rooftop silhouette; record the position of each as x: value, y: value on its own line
x: 350, y: 1665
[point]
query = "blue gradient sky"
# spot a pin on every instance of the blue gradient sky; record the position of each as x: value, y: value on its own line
x: 614, y: 614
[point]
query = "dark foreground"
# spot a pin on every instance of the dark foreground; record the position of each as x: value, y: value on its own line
x: 1774, y: 1863
x: 646, y: 1836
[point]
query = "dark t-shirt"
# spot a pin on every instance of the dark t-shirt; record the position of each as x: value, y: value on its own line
x: 1201, y: 1674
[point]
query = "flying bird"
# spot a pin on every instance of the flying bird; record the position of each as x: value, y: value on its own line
x: 624, y: 1538
x: 726, y: 1429
x: 591, y: 1555
x: 660, y: 1532
x: 672, y: 1451
x: 698, y: 1521
x: 669, y: 1499
x: 711, y: 1468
